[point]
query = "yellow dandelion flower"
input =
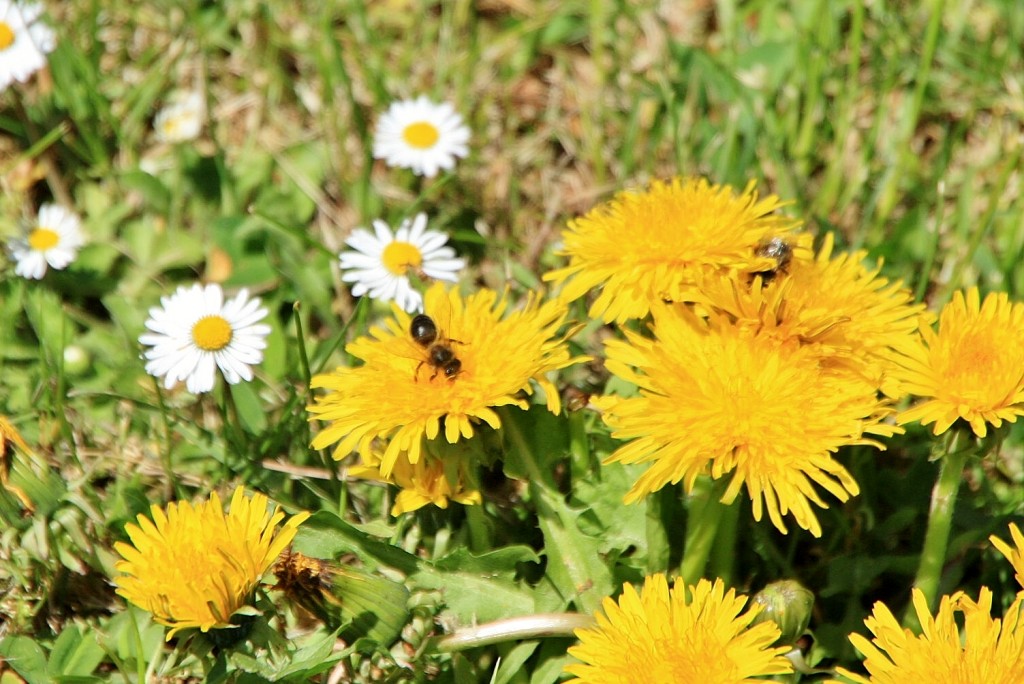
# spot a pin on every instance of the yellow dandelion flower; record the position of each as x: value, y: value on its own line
x: 680, y: 634
x: 721, y: 399
x: 987, y: 651
x: 850, y: 313
x: 971, y: 369
x: 643, y: 247
x: 428, y: 481
x: 194, y: 566
x: 1014, y: 554
x: 402, y: 395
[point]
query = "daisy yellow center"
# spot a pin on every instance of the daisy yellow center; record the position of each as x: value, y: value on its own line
x: 6, y: 36
x: 399, y: 257
x: 422, y: 135
x: 172, y: 125
x: 43, y: 239
x: 212, y: 333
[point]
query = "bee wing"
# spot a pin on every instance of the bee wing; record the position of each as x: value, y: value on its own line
x: 410, y: 350
x: 442, y: 315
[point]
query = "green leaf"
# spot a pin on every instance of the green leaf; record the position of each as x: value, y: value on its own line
x: 618, y: 527
x: 311, y: 659
x: 575, y: 562
x: 551, y: 661
x: 513, y: 663
x: 74, y: 653
x: 44, y: 488
x: 480, y: 588
x: 537, y: 440
x: 131, y: 636
x: 502, y: 561
x: 150, y: 188
x: 325, y: 535
x: 250, y: 408
x: 26, y: 658
x: 374, y: 606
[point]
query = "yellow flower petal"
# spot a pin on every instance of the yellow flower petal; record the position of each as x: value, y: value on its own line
x: 396, y: 395
x: 660, y: 243
x: 195, y: 566
x: 1013, y: 554
x: 834, y: 303
x: 721, y: 399
x: 985, y: 651
x: 972, y: 369
x: 682, y: 634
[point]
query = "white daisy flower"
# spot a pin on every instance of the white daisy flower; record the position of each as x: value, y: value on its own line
x: 195, y: 330
x: 421, y: 135
x: 181, y: 120
x: 379, y: 264
x: 24, y: 43
x: 53, y: 240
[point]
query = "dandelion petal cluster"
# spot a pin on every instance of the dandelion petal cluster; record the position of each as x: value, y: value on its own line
x: 971, y: 369
x: 667, y: 635
x: 852, y: 316
x: 395, y: 395
x: 985, y: 650
x: 719, y: 398
x: 661, y: 243
x: 194, y: 566
x: 428, y: 481
x: 1015, y: 553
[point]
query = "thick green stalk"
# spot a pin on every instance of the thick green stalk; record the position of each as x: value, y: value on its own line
x: 705, y: 511
x: 722, y: 561
x: 513, y: 629
x: 954, y: 452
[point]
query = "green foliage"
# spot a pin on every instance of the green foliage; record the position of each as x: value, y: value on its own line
x: 894, y: 125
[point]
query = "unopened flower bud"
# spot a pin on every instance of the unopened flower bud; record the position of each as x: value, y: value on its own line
x: 77, y: 360
x: 788, y: 604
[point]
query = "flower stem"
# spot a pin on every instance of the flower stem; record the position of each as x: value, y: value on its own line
x: 704, y: 511
x: 300, y: 340
x: 167, y: 453
x: 509, y: 629
x: 953, y: 453
x: 722, y: 563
